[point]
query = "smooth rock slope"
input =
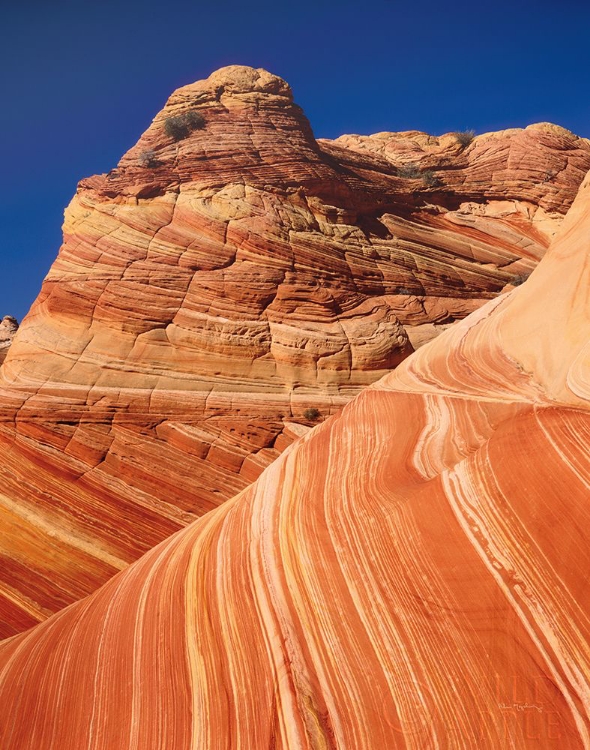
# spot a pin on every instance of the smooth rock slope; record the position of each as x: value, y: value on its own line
x: 411, y: 574
x: 215, y: 293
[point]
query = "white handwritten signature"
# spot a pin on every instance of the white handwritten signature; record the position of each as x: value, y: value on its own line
x: 521, y: 706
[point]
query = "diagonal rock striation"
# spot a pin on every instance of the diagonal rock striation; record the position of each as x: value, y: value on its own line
x: 231, y: 277
x: 410, y: 574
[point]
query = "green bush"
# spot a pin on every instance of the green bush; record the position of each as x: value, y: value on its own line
x: 413, y: 172
x: 311, y: 414
x: 180, y: 126
x: 464, y: 137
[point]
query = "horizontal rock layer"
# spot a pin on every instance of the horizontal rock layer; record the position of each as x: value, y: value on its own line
x: 410, y: 574
x: 217, y: 295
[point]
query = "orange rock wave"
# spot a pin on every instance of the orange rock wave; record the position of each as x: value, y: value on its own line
x: 216, y: 295
x: 410, y: 574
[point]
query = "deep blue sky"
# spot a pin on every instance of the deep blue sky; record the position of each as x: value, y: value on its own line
x: 80, y: 81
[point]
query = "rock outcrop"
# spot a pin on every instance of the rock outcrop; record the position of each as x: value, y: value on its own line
x: 231, y: 277
x: 8, y: 327
x: 410, y: 574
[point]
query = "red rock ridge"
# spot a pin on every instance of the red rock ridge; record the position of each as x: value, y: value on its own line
x: 211, y: 290
x: 411, y: 574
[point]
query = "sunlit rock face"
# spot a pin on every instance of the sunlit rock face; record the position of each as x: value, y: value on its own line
x: 219, y: 293
x: 8, y: 327
x: 413, y: 573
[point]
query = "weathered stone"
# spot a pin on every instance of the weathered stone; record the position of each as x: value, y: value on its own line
x: 412, y: 573
x: 212, y: 289
x: 8, y: 327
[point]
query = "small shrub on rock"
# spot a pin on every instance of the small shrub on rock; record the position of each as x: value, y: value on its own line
x: 409, y: 171
x: 311, y: 414
x: 148, y: 159
x: 180, y: 126
x: 519, y: 279
x: 413, y: 172
x: 430, y: 179
x: 464, y: 137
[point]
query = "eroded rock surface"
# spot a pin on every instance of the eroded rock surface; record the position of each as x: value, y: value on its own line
x: 8, y: 327
x: 411, y: 574
x: 212, y: 290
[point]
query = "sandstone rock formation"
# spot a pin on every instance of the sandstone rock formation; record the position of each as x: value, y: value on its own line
x: 212, y: 289
x: 411, y: 574
x: 8, y: 327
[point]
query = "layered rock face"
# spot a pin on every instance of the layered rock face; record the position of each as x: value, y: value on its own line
x: 411, y: 574
x: 8, y: 327
x: 230, y: 280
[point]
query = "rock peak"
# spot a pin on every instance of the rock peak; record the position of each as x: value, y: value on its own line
x: 241, y: 79
x: 10, y: 322
x: 233, y: 81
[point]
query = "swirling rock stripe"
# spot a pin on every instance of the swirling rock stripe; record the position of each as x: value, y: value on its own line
x: 413, y: 573
x: 204, y: 300
x: 342, y: 601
